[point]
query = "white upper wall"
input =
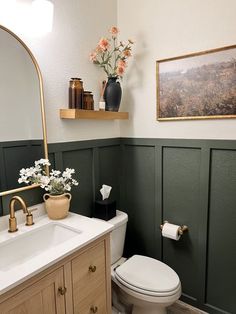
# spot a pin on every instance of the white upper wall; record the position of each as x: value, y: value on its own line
x: 163, y: 29
x: 64, y: 53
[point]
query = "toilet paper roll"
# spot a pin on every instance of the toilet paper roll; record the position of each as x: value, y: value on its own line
x: 170, y: 231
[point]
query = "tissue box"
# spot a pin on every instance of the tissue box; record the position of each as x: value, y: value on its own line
x: 105, y: 210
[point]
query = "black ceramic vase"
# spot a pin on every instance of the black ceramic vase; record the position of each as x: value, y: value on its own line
x: 112, y: 94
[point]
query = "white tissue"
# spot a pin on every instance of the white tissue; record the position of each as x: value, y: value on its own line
x: 170, y: 231
x: 105, y: 191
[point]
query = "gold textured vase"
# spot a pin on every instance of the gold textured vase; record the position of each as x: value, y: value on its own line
x: 57, y: 206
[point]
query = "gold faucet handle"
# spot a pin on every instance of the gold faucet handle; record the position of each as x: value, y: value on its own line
x: 12, y: 225
x: 29, y: 217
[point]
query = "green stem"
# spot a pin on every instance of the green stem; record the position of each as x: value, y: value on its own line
x: 114, y: 47
x: 103, y: 65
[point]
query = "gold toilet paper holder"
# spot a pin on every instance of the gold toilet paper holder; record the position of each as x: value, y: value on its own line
x: 181, y: 229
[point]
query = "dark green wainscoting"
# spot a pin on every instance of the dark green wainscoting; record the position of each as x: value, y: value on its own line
x: 15, y: 155
x: 95, y: 161
x: 190, y: 182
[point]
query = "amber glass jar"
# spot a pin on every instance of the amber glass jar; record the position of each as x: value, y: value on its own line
x: 76, y: 93
x: 88, y: 103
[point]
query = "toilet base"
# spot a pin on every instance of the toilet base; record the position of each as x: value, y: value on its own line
x: 156, y: 310
x: 138, y: 306
x: 134, y: 305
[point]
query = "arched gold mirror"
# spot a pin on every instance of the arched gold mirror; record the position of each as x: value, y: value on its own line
x: 23, y: 137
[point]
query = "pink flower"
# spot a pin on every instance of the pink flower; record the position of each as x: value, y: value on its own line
x: 98, y: 49
x: 114, y: 30
x: 111, y: 54
x: 122, y: 63
x: 93, y: 56
x: 120, y: 70
x: 127, y: 53
x: 103, y: 44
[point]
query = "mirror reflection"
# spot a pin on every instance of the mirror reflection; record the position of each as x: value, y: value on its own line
x: 21, y: 133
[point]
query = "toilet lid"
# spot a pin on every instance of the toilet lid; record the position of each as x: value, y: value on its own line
x: 148, y: 274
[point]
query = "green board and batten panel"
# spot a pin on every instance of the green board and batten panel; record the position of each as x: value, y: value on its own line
x: 181, y: 190
x: 109, y: 170
x: 221, y: 263
x: 190, y: 182
x: 139, y: 199
x: 81, y: 161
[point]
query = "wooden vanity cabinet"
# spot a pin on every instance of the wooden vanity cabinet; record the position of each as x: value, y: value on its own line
x: 80, y: 284
x: 38, y: 298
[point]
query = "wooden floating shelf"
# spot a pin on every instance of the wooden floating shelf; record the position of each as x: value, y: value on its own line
x: 92, y: 114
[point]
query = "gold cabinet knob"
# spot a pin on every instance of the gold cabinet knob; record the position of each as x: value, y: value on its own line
x: 92, y: 269
x: 62, y: 290
x: 93, y: 309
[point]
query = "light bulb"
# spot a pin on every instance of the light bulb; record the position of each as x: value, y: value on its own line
x: 35, y: 19
x: 42, y: 16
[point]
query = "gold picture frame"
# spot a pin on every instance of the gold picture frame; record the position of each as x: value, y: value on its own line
x: 196, y: 86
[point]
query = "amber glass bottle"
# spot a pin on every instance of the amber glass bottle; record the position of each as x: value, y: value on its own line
x: 76, y: 93
x: 88, y: 103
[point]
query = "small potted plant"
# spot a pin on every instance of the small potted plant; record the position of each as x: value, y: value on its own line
x: 57, y: 184
x: 112, y: 56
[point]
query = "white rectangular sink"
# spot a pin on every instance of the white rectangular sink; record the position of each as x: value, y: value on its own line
x: 31, y: 244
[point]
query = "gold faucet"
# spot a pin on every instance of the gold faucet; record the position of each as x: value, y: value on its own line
x: 12, y: 219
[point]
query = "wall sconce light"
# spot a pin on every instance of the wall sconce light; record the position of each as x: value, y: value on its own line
x: 42, y: 16
x: 31, y: 19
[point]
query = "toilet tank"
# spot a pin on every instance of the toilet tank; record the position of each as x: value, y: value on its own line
x: 118, y: 235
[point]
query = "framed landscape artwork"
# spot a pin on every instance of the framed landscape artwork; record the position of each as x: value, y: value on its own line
x: 197, y: 86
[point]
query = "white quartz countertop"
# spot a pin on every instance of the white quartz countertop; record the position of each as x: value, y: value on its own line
x: 85, y: 231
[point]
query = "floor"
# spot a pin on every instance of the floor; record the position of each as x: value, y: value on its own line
x: 177, y: 308
x: 183, y: 308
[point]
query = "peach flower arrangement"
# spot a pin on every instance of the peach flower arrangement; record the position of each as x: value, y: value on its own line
x: 112, y: 55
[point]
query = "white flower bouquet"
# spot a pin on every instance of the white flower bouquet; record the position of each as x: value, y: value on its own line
x: 56, y: 183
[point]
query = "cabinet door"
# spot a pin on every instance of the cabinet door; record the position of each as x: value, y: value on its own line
x: 42, y: 297
x: 89, y: 281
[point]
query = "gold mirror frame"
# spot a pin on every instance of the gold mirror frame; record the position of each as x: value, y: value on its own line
x: 43, y: 117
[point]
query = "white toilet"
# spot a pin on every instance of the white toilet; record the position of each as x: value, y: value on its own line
x: 144, y: 284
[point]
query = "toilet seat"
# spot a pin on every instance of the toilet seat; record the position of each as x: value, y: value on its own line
x: 148, y: 276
